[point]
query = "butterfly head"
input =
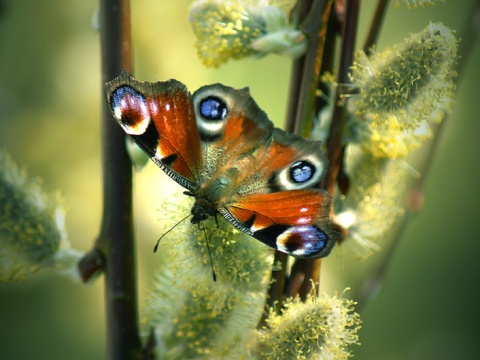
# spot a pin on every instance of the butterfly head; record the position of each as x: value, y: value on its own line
x: 202, y: 210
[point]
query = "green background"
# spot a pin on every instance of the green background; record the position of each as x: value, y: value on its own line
x: 50, y: 94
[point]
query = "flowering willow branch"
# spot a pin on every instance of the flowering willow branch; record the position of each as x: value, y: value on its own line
x: 374, y: 281
x: 227, y: 30
x: 319, y: 328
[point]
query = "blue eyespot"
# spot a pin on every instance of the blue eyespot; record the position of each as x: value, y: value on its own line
x: 118, y: 96
x: 301, y: 171
x: 213, y: 108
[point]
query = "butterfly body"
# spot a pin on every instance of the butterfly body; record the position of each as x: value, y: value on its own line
x: 223, y: 149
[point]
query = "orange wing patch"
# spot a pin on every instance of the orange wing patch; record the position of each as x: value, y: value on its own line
x: 296, y: 207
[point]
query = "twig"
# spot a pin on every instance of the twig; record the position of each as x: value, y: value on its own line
x: 114, y: 249
x: 303, y: 102
x: 335, y: 141
x: 116, y: 234
x: 275, y: 291
x: 375, y: 26
x: 303, y: 8
x: 302, y: 109
x: 306, y: 273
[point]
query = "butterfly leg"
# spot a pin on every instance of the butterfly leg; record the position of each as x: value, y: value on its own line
x: 216, y: 219
x: 201, y: 226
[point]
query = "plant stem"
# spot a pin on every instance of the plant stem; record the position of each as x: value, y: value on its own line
x: 275, y: 291
x: 301, y: 106
x: 315, y: 28
x: 303, y: 8
x: 302, y: 102
x: 335, y: 141
x: 305, y: 274
x: 308, y: 270
x: 116, y: 239
x: 375, y: 26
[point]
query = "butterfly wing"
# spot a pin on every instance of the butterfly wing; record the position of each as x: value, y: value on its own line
x: 161, y: 119
x: 284, y: 208
x: 231, y: 126
x: 295, y: 222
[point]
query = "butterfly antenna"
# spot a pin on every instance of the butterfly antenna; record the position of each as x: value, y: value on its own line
x: 209, y: 254
x: 173, y: 227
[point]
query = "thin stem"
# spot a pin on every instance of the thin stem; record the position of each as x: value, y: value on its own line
x: 302, y: 7
x: 301, y: 104
x: 275, y: 291
x: 312, y: 271
x: 335, y: 141
x: 376, y: 25
x: 309, y: 270
x: 116, y: 241
x: 315, y: 28
x: 296, y: 99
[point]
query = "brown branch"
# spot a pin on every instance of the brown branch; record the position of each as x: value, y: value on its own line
x: 275, y: 291
x: 302, y: 95
x: 116, y: 234
x: 375, y: 26
x: 114, y: 250
x: 306, y: 273
x: 303, y: 8
x: 309, y: 270
x: 335, y: 141
x: 302, y: 103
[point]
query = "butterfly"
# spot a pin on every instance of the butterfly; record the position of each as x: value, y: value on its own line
x: 221, y: 147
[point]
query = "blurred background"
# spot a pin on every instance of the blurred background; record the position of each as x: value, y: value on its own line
x: 50, y: 96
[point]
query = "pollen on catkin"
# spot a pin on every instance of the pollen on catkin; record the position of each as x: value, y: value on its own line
x: 235, y: 29
x: 403, y: 91
x: 373, y: 204
x: 32, y: 229
x: 320, y: 328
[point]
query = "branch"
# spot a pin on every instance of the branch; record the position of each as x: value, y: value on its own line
x: 301, y: 106
x: 114, y: 251
x: 335, y: 141
x: 375, y: 26
x: 116, y: 235
x: 309, y: 270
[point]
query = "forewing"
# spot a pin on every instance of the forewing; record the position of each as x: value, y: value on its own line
x: 231, y: 126
x: 160, y: 118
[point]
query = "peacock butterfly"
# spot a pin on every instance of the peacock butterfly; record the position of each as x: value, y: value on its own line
x: 220, y: 146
